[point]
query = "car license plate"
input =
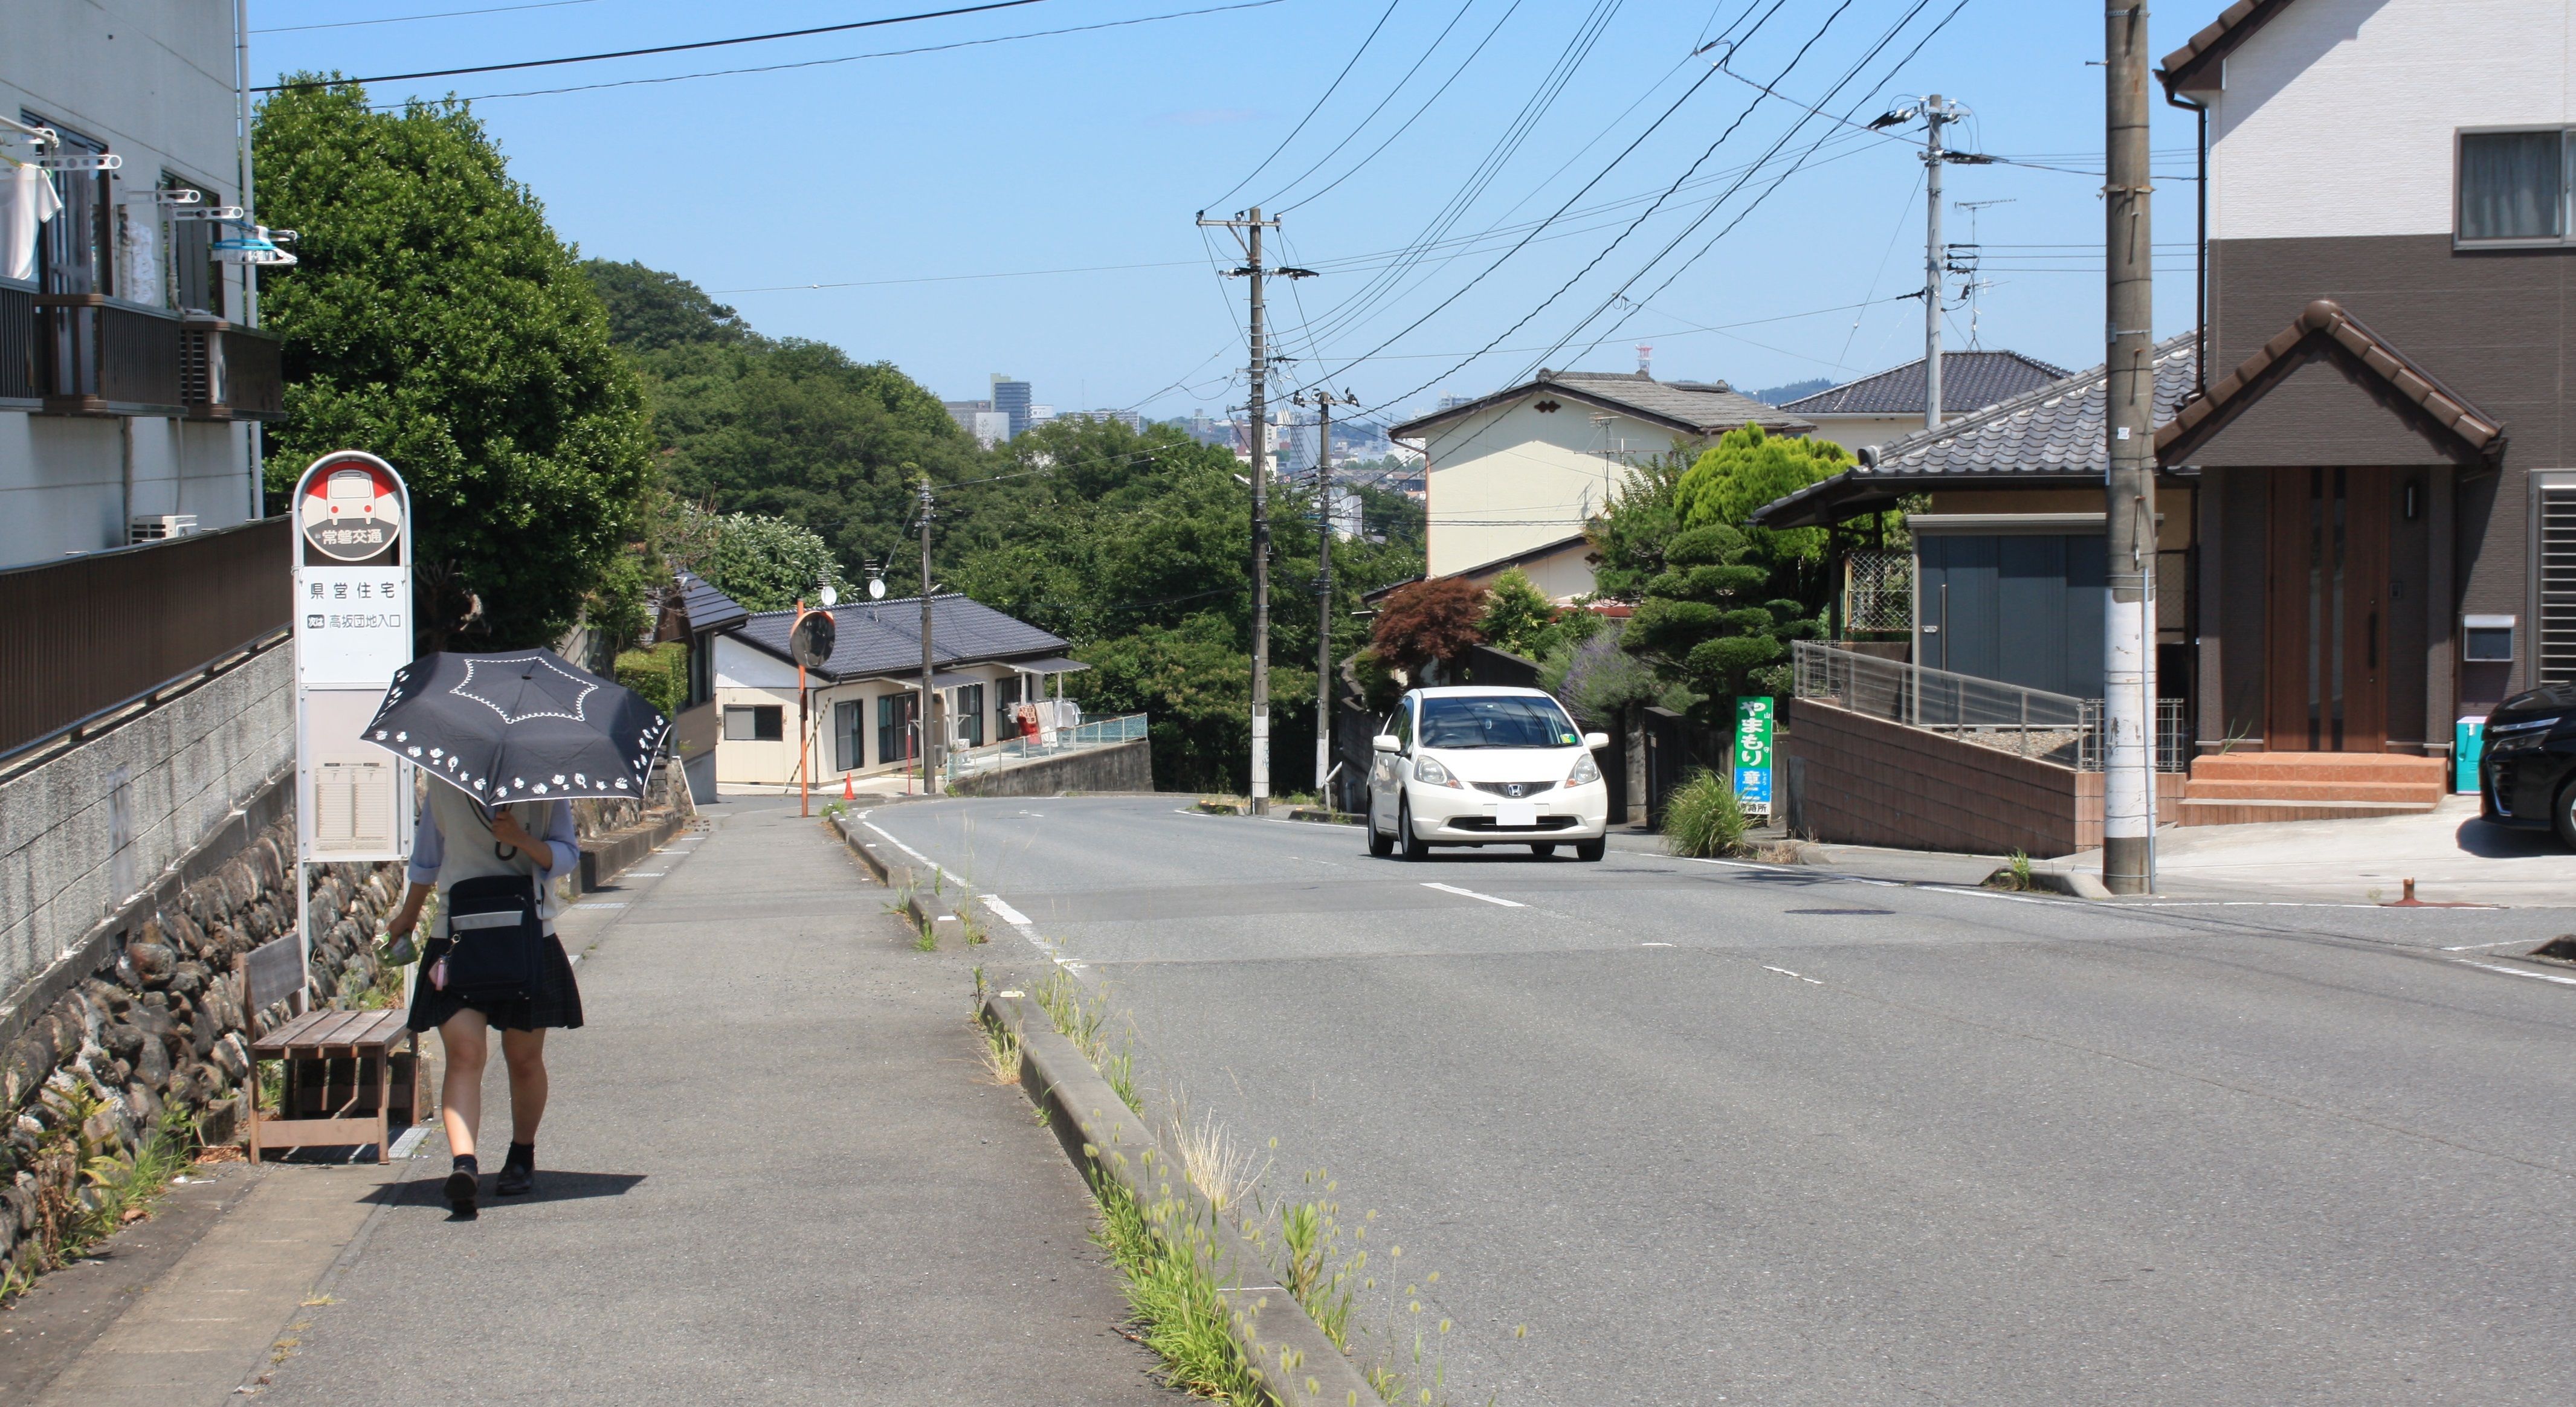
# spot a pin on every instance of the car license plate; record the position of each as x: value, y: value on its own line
x: 1516, y: 813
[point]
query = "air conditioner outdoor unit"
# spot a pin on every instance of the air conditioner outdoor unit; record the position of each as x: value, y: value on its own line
x: 160, y: 526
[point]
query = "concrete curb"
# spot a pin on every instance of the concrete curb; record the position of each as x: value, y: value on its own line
x: 1295, y: 1363
x: 604, y: 857
x: 924, y: 901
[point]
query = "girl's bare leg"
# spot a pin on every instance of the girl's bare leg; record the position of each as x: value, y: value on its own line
x: 466, y: 1038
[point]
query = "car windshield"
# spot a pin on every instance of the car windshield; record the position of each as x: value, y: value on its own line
x: 1505, y: 720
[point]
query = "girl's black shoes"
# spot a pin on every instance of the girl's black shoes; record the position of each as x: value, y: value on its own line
x: 460, y: 1189
x: 518, y: 1171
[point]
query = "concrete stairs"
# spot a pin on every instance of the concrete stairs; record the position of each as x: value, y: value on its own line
x: 2247, y: 787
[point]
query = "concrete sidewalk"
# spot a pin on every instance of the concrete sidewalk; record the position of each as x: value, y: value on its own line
x: 771, y: 1173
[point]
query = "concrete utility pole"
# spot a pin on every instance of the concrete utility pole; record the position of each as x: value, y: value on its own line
x: 2129, y: 523
x: 1935, y: 114
x: 929, y: 713
x: 1249, y: 227
x: 1324, y: 402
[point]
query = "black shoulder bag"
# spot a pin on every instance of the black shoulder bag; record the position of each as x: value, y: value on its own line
x: 494, y: 938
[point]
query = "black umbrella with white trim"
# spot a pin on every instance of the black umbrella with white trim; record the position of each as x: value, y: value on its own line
x: 519, y: 725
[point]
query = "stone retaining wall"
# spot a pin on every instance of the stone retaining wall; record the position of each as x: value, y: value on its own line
x: 1127, y: 766
x: 159, y: 1023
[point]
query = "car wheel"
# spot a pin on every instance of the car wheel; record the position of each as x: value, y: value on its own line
x: 1380, y: 845
x: 1592, y: 849
x: 2562, y: 815
x: 1415, y: 847
x: 1542, y: 848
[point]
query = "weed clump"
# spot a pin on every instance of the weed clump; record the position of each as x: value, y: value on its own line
x: 1703, y: 819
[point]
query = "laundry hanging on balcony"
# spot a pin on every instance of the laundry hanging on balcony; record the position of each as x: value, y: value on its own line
x: 27, y: 201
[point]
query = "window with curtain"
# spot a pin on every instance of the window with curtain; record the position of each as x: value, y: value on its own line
x: 2513, y: 186
x: 895, y: 713
x: 849, y: 752
x: 758, y: 723
x: 970, y: 715
x: 73, y: 255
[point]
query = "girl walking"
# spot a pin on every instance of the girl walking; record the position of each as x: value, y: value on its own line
x: 457, y: 840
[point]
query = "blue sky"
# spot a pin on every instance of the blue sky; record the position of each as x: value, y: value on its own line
x: 919, y: 177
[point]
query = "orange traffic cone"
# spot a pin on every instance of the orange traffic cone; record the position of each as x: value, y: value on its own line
x: 847, y: 794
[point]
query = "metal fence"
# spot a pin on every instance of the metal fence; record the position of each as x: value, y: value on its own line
x: 1988, y: 712
x: 93, y: 633
x: 1878, y: 590
x: 1082, y: 737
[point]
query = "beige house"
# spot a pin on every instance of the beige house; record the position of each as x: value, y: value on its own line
x: 1512, y: 476
x: 1889, y: 406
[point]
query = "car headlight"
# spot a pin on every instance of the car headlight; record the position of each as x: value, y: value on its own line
x: 1428, y: 769
x: 1585, y: 770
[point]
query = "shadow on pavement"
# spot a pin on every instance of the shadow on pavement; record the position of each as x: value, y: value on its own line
x: 551, y: 1187
x: 2479, y: 837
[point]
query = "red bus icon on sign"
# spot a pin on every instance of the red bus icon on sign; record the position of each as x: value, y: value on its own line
x: 351, y: 513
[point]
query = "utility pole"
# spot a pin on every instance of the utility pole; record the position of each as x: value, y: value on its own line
x: 1935, y: 114
x: 1248, y: 228
x: 2129, y: 522
x: 929, y: 738
x: 1324, y: 403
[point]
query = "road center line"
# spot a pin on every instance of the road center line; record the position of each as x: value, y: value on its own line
x: 1472, y: 894
x: 1007, y: 914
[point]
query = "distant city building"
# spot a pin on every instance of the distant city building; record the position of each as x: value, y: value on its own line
x: 1033, y: 415
x: 1127, y: 418
x: 1011, y: 398
x: 991, y: 427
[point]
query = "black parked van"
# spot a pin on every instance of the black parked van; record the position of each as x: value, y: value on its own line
x: 2527, y: 776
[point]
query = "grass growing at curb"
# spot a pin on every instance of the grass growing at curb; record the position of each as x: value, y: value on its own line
x: 1703, y: 820
x: 1172, y: 1295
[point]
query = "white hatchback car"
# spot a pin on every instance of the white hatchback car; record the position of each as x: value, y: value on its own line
x: 1476, y: 765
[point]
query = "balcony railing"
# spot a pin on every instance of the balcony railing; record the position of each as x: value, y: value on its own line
x: 229, y: 372
x: 99, y: 357
x: 91, y: 633
x: 18, y: 381
x: 1989, y: 712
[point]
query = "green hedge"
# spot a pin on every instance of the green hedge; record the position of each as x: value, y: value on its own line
x: 660, y: 675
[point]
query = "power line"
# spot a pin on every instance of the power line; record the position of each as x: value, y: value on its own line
x: 1362, y: 125
x: 679, y: 48
x: 1329, y: 90
x: 854, y: 58
x: 406, y: 19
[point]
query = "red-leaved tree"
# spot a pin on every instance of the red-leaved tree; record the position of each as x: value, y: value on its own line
x: 1429, y: 620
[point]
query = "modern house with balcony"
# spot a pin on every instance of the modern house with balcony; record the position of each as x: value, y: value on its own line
x: 131, y: 373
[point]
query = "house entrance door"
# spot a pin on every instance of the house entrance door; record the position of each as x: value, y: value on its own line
x: 2326, y: 652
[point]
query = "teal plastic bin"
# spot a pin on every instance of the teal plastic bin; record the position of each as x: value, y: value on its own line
x: 2468, y: 743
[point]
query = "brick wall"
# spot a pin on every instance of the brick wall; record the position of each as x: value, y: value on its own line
x: 1866, y: 781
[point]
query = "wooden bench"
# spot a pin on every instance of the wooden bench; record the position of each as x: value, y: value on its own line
x: 345, y: 1081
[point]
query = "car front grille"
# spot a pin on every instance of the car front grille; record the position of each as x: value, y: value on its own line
x: 2500, y: 787
x: 1515, y: 788
x: 1486, y: 823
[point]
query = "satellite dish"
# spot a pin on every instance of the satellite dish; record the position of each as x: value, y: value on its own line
x: 876, y: 588
x: 831, y: 594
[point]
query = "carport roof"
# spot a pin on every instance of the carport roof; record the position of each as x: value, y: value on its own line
x: 882, y: 639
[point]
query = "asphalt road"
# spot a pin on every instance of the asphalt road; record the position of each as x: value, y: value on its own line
x: 1729, y: 1133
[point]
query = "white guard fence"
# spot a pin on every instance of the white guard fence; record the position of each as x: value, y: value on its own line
x: 1054, y: 742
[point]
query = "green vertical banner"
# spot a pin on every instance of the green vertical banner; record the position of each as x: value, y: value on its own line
x: 1753, y: 755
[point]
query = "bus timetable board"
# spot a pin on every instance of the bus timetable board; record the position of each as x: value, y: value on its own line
x: 353, y: 629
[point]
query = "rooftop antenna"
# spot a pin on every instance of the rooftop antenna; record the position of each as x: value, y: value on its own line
x: 1963, y: 261
x: 1645, y: 360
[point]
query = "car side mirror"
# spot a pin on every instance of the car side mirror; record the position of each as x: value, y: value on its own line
x: 1596, y: 740
x: 1386, y: 742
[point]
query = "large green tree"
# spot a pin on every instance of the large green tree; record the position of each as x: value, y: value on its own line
x: 1748, y: 468
x: 433, y: 318
x: 784, y: 428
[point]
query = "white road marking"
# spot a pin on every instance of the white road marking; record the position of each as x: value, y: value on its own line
x: 1654, y: 945
x: 2473, y: 947
x: 599, y: 904
x: 1007, y: 913
x: 2518, y: 972
x: 908, y: 850
x: 1818, y: 981
x: 646, y: 874
x: 1472, y: 894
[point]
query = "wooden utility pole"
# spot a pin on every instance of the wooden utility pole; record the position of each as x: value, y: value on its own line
x: 1248, y: 228
x: 2129, y: 522
x: 929, y: 739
